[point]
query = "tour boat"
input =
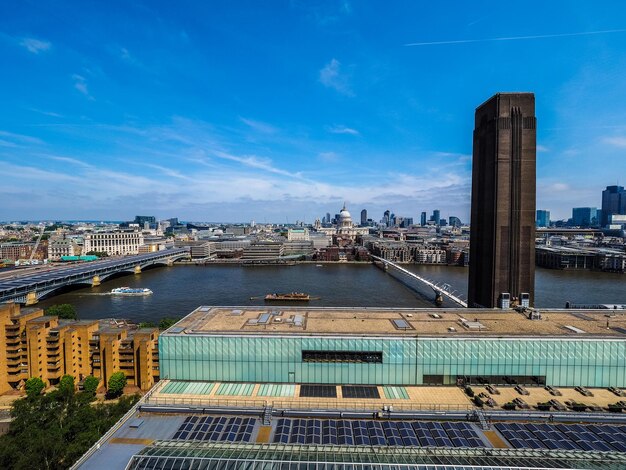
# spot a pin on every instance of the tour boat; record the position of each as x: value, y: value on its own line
x: 130, y: 291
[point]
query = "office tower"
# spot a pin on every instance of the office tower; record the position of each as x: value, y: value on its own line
x: 437, y: 216
x: 502, y: 237
x: 364, y: 217
x: 423, y: 219
x: 584, y: 216
x: 392, y: 220
x: 613, y: 202
x: 328, y: 218
x: 543, y: 218
x: 454, y: 221
x: 386, y: 215
x: 141, y: 220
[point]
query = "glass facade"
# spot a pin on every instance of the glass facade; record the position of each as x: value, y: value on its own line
x: 405, y: 361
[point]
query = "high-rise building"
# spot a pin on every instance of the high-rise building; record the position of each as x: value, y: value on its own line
x: 613, y: 202
x: 141, y: 220
x: 436, y: 216
x: 423, y: 219
x: 454, y: 221
x: 386, y: 217
x: 584, y: 216
x: 543, y: 218
x: 502, y: 238
x: 364, y: 217
x: 328, y: 219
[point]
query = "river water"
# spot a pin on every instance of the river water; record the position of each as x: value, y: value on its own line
x: 180, y: 289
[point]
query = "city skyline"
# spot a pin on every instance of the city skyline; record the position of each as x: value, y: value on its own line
x: 206, y: 113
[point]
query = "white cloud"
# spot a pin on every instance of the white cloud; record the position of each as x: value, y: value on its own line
x: 329, y: 156
x: 332, y: 77
x: 542, y: 148
x: 342, y: 130
x: 259, y: 126
x: 80, y: 83
x: 616, y: 141
x: 35, y: 45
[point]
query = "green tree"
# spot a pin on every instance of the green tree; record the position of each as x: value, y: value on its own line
x: 166, y: 322
x: 117, y: 382
x: 65, y: 311
x: 90, y: 385
x: 66, y: 385
x: 51, y: 432
x: 99, y: 254
x: 147, y: 324
x: 34, y: 386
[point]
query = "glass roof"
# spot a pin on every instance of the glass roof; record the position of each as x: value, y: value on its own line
x: 173, y: 455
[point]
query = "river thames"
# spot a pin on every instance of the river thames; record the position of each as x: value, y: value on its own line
x: 180, y: 289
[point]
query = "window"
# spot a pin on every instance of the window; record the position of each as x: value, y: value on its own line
x: 375, y: 357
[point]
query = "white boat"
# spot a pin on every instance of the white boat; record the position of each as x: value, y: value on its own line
x: 130, y: 291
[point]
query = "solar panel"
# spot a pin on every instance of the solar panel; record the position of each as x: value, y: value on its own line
x: 318, y: 391
x: 357, y: 391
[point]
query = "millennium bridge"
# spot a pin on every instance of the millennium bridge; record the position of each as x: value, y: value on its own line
x: 441, y: 289
x: 28, y: 289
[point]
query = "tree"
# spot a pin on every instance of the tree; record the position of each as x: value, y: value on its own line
x: 99, y: 254
x: 51, y: 432
x: 34, y: 386
x: 66, y: 385
x: 166, y: 322
x: 117, y: 382
x: 90, y: 385
x: 147, y: 324
x: 65, y: 311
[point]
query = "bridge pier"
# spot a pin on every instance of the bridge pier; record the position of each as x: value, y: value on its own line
x: 31, y: 298
x: 170, y: 262
x: 137, y: 269
x: 95, y: 281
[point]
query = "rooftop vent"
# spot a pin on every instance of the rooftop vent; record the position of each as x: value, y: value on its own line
x: 472, y: 325
x: 435, y: 315
x: 573, y: 329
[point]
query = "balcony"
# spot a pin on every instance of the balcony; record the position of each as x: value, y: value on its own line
x: 56, y: 365
x: 14, y: 341
x: 14, y: 328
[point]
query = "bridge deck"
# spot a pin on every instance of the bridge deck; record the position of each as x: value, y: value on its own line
x: 19, y: 285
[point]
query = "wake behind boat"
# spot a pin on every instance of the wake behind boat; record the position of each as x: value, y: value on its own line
x: 130, y: 291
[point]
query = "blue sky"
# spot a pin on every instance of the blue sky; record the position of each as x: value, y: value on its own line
x: 280, y: 111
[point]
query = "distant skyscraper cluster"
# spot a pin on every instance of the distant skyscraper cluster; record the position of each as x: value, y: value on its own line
x: 611, y: 215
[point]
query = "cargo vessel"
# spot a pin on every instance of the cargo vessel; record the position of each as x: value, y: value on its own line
x: 299, y: 296
x: 130, y: 291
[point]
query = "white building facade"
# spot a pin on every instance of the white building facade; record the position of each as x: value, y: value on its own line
x: 114, y: 243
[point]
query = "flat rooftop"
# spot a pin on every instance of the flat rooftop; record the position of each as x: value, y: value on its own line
x: 462, y: 322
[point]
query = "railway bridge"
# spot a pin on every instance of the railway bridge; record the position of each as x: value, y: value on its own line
x: 28, y: 289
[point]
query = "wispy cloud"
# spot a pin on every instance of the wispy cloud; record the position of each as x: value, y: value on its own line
x: 515, y: 38
x: 259, y: 126
x: 342, y: 130
x: 328, y: 156
x: 255, y: 162
x: 542, y: 148
x: 332, y: 77
x: 80, y: 83
x: 35, y: 45
x: 616, y: 141
x: 20, y: 138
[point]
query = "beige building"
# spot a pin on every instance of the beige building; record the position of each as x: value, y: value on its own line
x: 114, y: 243
x: 63, y: 246
x: 33, y: 344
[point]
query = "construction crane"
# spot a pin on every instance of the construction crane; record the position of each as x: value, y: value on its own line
x: 32, y: 254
